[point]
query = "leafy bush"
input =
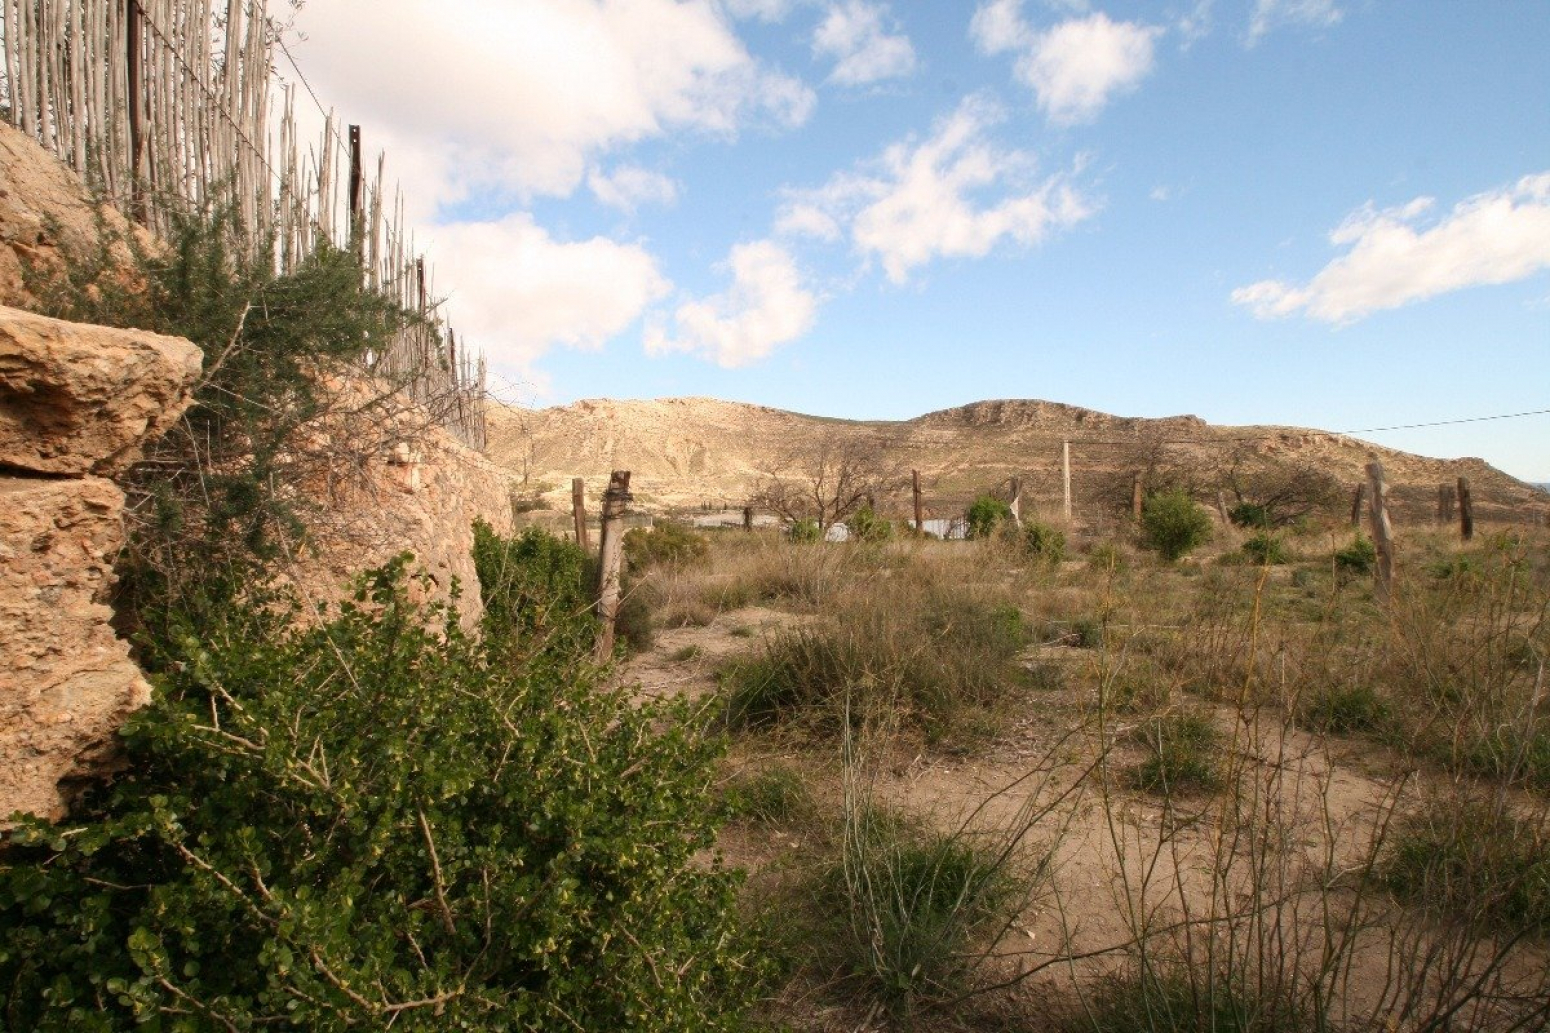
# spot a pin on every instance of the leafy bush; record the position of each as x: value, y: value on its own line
x: 905, y: 904
x: 1470, y: 858
x: 537, y: 591
x: 986, y: 514
x: 1345, y: 709
x: 805, y: 532
x: 1357, y: 558
x: 777, y: 795
x: 373, y: 821
x: 930, y: 663
x: 1266, y: 549
x: 866, y: 526
x: 1173, y: 524
x: 1044, y: 543
x: 1182, y: 745
x: 1250, y: 514
x: 1173, y: 997
x: 667, y: 542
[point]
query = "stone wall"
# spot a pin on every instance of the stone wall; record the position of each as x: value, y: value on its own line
x: 76, y: 403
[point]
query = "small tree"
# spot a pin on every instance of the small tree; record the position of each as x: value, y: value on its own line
x: 827, y: 482
x: 867, y: 526
x: 1173, y: 524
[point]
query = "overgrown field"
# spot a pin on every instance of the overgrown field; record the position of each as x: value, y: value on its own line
x: 992, y: 785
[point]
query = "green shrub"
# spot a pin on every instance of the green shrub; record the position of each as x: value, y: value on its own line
x: 372, y: 821
x: 866, y: 526
x: 776, y: 795
x: 930, y: 663
x: 1470, y: 858
x: 1044, y: 543
x: 1357, y: 558
x: 1345, y: 709
x: 1107, y: 556
x: 1266, y: 549
x: 1173, y: 997
x: 1182, y: 747
x: 537, y: 591
x: 1250, y: 514
x: 665, y: 543
x: 904, y: 905
x: 1173, y: 524
x: 986, y: 514
x: 1510, y: 754
x: 805, y: 531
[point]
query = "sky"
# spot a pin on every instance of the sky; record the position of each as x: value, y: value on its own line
x: 1322, y: 213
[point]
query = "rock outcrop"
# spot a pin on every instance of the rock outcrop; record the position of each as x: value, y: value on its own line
x: 76, y: 402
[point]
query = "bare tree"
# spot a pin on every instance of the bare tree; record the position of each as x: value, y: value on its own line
x: 828, y: 481
x: 1281, y: 489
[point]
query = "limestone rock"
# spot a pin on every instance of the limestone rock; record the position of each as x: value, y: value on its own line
x: 66, y: 681
x: 78, y: 399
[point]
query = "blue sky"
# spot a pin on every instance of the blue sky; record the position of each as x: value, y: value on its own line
x: 1330, y: 213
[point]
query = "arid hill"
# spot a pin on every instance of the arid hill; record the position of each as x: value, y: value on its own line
x: 688, y: 452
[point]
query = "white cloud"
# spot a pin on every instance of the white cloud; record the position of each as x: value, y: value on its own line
x: 767, y: 305
x: 764, y: 10
x: 855, y: 35
x: 524, y: 97
x: 515, y: 291
x: 807, y: 220
x: 630, y: 186
x: 1074, y: 68
x: 921, y: 200
x: 1268, y: 14
x: 1495, y: 237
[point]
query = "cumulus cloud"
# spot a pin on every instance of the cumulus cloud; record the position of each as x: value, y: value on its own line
x: 630, y: 186
x: 767, y: 305
x: 856, y: 35
x: 764, y: 10
x: 1269, y: 14
x: 524, y: 97
x: 1074, y: 68
x: 954, y: 194
x: 515, y: 291
x: 1392, y: 260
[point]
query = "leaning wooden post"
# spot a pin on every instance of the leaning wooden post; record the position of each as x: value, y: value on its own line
x: 1221, y: 508
x: 611, y: 562
x: 920, y: 510
x: 1382, y: 532
x: 1356, y: 505
x: 578, y: 508
x: 1065, y: 478
x: 1135, y: 496
x: 358, y: 199
x: 135, y: 104
x: 747, y: 518
x: 1466, y: 510
x: 1016, y: 505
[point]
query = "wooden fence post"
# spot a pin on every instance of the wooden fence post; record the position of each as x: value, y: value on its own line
x: 1382, y: 532
x: 611, y: 561
x: 1016, y: 505
x: 578, y: 509
x: 1356, y: 505
x: 1466, y: 510
x: 747, y: 518
x: 358, y: 199
x: 1065, y: 477
x: 920, y: 510
x: 1221, y: 508
x: 135, y: 102
x: 1135, y: 496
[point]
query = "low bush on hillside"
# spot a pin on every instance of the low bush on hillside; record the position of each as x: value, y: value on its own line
x: 866, y: 526
x: 1357, y: 558
x: 1044, y: 543
x: 1173, y: 524
x: 930, y: 660
x: 374, y: 821
x: 986, y: 514
x: 806, y: 532
x: 1467, y: 856
x: 666, y: 542
x: 1182, y: 748
x: 1266, y: 549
